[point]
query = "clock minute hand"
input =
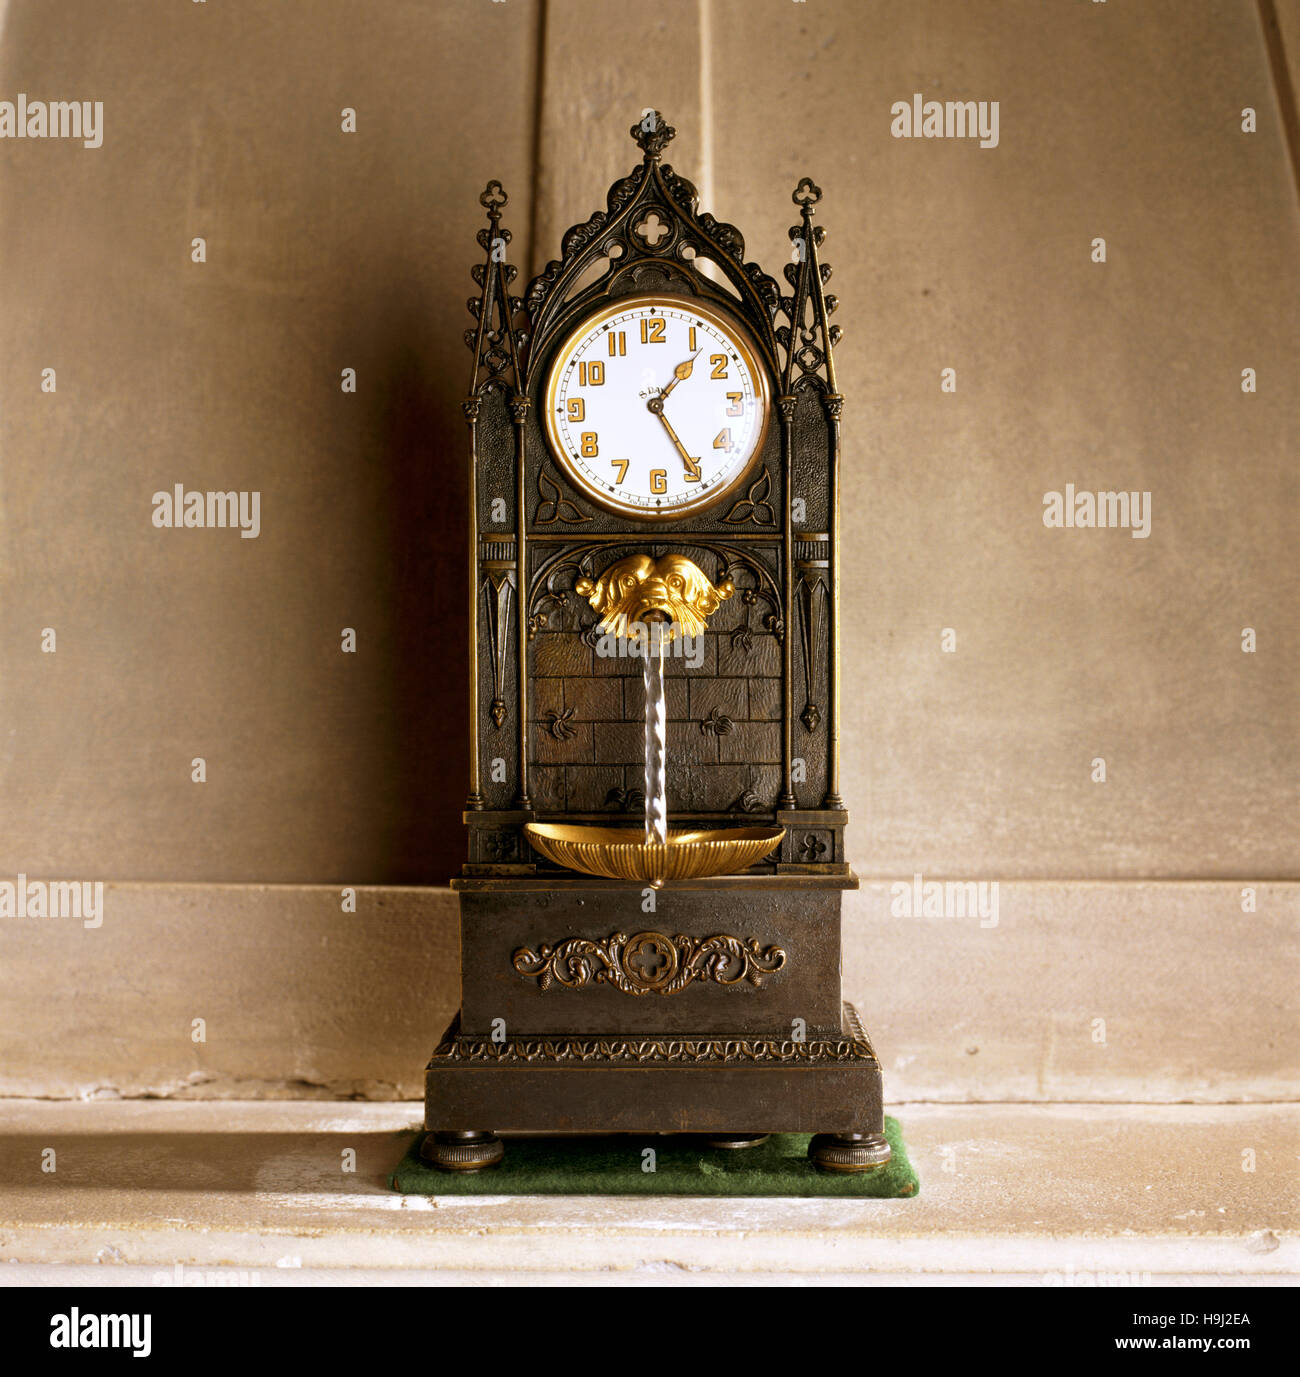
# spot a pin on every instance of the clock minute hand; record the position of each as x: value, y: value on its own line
x: 656, y: 406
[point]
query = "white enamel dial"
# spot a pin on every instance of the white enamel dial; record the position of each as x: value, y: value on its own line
x: 656, y: 406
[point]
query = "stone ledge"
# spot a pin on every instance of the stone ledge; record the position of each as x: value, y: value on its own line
x: 1036, y: 1194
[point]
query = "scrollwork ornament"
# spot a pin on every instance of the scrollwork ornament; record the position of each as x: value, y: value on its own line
x: 649, y: 962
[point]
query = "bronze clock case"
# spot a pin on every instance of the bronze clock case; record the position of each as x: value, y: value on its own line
x: 568, y: 1022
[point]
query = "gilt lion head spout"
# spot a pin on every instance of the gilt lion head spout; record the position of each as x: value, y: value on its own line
x: 640, y: 589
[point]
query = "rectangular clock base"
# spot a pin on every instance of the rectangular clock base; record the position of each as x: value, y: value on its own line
x: 712, y: 1084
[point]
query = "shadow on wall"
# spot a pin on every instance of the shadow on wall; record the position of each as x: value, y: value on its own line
x: 421, y: 582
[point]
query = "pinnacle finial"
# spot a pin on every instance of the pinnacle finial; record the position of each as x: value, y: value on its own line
x: 652, y: 133
x: 492, y: 200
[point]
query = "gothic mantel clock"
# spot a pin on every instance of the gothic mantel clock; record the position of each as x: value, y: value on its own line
x: 650, y: 911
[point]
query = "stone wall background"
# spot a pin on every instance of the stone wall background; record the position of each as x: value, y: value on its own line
x: 328, y: 250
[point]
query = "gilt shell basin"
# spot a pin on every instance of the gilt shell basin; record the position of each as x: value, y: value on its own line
x: 621, y: 853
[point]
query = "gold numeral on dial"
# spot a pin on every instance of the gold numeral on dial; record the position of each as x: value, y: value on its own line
x: 658, y: 480
x: 737, y: 400
x: 618, y: 342
x: 693, y: 475
x: 590, y: 446
x: 722, y: 440
x: 652, y: 331
x: 591, y: 374
x: 621, y: 466
x: 691, y: 345
x: 719, y: 362
x: 578, y: 409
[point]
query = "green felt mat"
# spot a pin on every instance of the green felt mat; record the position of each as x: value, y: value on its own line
x: 684, y: 1165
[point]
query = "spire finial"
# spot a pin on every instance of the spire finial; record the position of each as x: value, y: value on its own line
x: 493, y: 199
x: 652, y: 133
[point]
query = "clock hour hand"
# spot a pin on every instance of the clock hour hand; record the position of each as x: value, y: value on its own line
x: 656, y: 405
x: 681, y: 373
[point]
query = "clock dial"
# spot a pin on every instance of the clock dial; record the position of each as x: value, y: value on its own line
x: 657, y: 406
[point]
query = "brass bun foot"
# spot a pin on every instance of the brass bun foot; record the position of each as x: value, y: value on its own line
x: 736, y: 1140
x: 849, y: 1152
x: 462, y: 1151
